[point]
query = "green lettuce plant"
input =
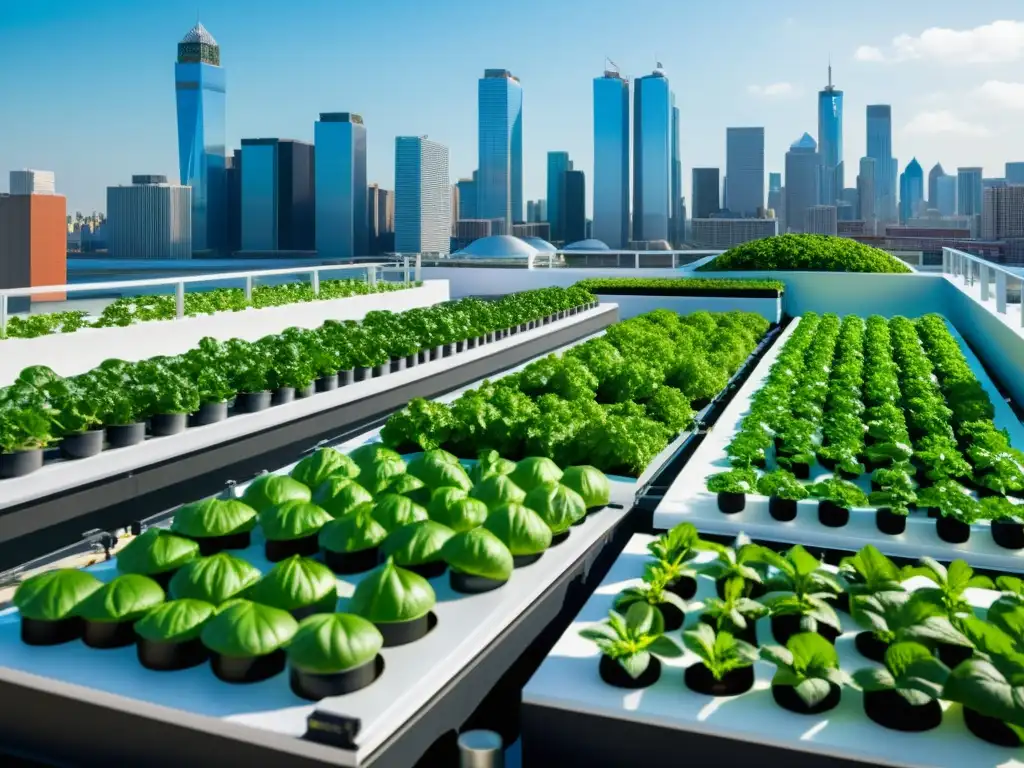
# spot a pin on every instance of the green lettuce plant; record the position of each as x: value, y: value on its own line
x: 478, y: 552
x: 808, y: 664
x: 156, y: 551
x: 339, y: 495
x: 175, y: 621
x: 806, y: 589
x: 911, y: 670
x: 54, y: 595
x: 330, y: 643
x: 354, y: 532
x: 519, y: 528
x: 268, y: 491
x: 323, y: 463
x: 632, y: 640
x: 417, y: 543
x: 733, y: 612
x: 245, y: 629
x: 390, y: 594
x: 950, y: 584
x: 557, y: 505
x: 295, y: 583
x: 214, y: 579
x: 719, y: 652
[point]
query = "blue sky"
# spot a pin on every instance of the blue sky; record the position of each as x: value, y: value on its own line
x: 87, y: 87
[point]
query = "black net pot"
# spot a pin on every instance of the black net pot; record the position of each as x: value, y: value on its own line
x: 685, y: 587
x: 381, y: 370
x: 211, y: 545
x: 990, y: 729
x: 468, y: 584
x: 560, y: 537
x: 352, y: 562
x: 40, y: 632
x: 397, y: 633
x: 521, y: 561
x: 801, y: 470
x: 429, y: 570
x: 252, y: 402
x: 326, y: 383
x: 412, y: 360
x: 731, y: 503
x: 277, y: 550
x: 754, y: 590
x: 613, y: 674
x: 674, y: 617
x: 827, y: 463
x: 163, y: 578
x: 208, y: 413
x: 167, y: 424
x: 307, y: 391
x: 870, y: 647
x: 167, y: 657
x: 124, y: 435
x: 890, y: 710
x: 247, y: 669
x: 1008, y: 534
x: 313, y: 686
x: 346, y: 377
x: 108, y: 634
x: 787, y: 625
x: 832, y: 515
x: 842, y: 602
x: 951, y: 530
x: 890, y: 523
x: 782, y: 510
x: 397, y: 364
x: 786, y: 697
x: 747, y: 634
x: 362, y: 373
x: 698, y: 678
x: 953, y: 655
x: 282, y: 395
x: 83, y: 444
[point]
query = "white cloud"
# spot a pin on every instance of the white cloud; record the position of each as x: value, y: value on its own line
x: 943, y: 122
x: 774, y: 90
x: 998, y: 42
x: 1002, y: 94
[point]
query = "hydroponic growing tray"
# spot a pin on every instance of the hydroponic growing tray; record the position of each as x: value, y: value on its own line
x: 688, y: 500
x: 69, y: 490
x: 570, y: 716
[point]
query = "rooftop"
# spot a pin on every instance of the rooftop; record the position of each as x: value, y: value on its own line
x: 199, y: 34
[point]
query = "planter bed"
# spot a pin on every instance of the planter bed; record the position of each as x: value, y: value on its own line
x: 753, y: 289
x: 570, y: 716
x: 688, y: 500
x: 63, y: 491
x: 468, y: 648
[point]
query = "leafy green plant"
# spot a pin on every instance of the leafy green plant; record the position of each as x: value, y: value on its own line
x: 653, y: 591
x: 720, y: 652
x: 391, y: 594
x: 911, y: 670
x: 893, y: 616
x: 805, y: 253
x: 842, y: 493
x: 992, y: 686
x: 677, y: 286
x: 329, y: 643
x: 176, y: 621
x: 478, y: 552
x: 297, y: 582
x: 214, y: 579
x: 807, y: 588
x: 734, y: 612
x: 808, y: 664
x: 740, y: 480
x: 869, y: 571
x: 245, y: 629
x: 54, y: 595
x: 781, y: 484
x: 950, y: 584
x: 742, y: 561
x: 633, y: 639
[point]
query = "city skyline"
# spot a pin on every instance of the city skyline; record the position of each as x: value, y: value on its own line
x: 133, y: 132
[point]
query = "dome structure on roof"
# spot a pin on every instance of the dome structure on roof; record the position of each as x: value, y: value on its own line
x: 540, y: 244
x: 587, y: 245
x: 199, y: 34
x: 498, y: 247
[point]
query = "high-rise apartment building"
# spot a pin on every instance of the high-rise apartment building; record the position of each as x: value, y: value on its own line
x: 500, y: 147
x: 380, y: 211
x: 611, y: 159
x: 727, y: 233
x: 705, y: 191
x: 652, y: 156
x: 968, y: 191
x: 879, y: 131
x: 866, y: 194
x: 945, y: 194
x: 775, y: 192
x: 278, y: 195
x: 33, y: 245
x: 821, y: 220
x: 233, y: 214
x: 558, y: 164
x: 150, y: 219
x: 342, y: 226
x: 677, y: 224
x: 467, y: 197
x: 744, y: 171
x: 830, y: 142
x: 802, y: 180
x: 1003, y: 213
x: 423, y: 200
x: 574, y: 206
x: 32, y: 182
x: 934, y: 175
x: 911, y: 191
x: 200, y: 85
x: 1014, y: 173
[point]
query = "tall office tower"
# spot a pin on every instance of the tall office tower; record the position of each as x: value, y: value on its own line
x: 1003, y: 213
x: 990, y: 182
x: 574, y: 206
x: 531, y: 211
x: 422, y: 196
x: 500, y: 147
x: 467, y: 197
x: 30, y: 182
x: 821, y: 220
x: 726, y: 233
x: 705, y: 190
x: 866, y: 191
x: 830, y: 141
x: 851, y: 210
x: 1014, y: 173
x: 802, y: 180
x: 911, y: 191
x: 744, y: 171
x: 558, y: 164
x: 278, y: 195
x: 968, y: 191
x: 775, y: 194
x: 380, y: 211
x: 199, y: 84
x: 934, y: 175
x: 652, y: 156
x: 611, y: 159
x: 342, y: 226
x: 150, y: 219
x: 542, y: 213
x: 33, y: 244
x: 879, y: 128
x: 945, y: 192
x: 676, y: 227
x: 233, y: 216
x: 774, y: 182
x: 455, y: 206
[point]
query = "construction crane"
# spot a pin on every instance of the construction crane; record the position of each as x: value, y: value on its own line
x: 612, y: 68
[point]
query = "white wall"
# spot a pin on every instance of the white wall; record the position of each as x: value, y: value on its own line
x: 74, y: 353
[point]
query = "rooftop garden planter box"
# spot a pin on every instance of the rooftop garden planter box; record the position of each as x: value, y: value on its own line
x: 802, y: 252
x: 761, y: 289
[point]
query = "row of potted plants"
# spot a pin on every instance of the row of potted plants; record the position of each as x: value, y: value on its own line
x: 116, y: 403
x: 614, y: 402
x: 860, y: 397
x: 368, y: 511
x: 927, y: 644
x: 683, y: 286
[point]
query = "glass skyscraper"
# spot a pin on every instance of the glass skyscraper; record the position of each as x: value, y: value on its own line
x: 467, y: 197
x: 423, y: 199
x: 199, y: 86
x: 705, y: 193
x: 802, y: 179
x: 558, y: 164
x: 911, y: 190
x: 342, y: 215
x: 744, y: 171
x: 611, y: 160
x: 968, y: 191
x: 880, y: 148
x: 676, y: 229
x: 830, y: 141
x: 278, y: 194
x: 652, y: 156
x: 500, y: 147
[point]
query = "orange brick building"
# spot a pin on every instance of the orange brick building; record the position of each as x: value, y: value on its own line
x: 33, y: 244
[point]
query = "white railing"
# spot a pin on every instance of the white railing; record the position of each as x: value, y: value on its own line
x: 410, y: 267
x: 636, y: 259
x: 992, y: 280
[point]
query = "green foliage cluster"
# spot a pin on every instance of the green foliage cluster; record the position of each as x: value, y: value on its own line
x: 676, y: 286
x: 805, y: 253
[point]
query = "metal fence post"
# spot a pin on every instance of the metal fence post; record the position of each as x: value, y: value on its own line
x: 984, y: 282
x: 480, y: 749
x: 419, y: 267
x: 636, y: 260
x: 315, y: 281
x: 945, y: 261
x: 248, y: 289
x: 405, y: 268
x: 3, y: 314
x: 371, y: 276
x: 179, y: 300
x: 1001, y: 292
